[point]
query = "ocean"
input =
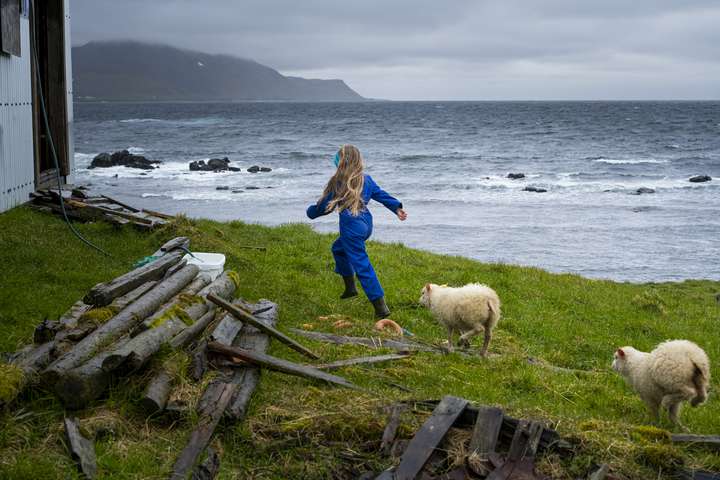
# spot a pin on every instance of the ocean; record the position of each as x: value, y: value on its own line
x: 448, y: 162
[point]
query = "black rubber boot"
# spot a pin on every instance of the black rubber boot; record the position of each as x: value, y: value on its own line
x: 350, y: 288
x: 381, y: 308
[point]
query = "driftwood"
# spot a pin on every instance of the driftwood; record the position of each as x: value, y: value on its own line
x: 104, y: 293
x: 361, y: 361
x: 121, y: 323
x: 117, y: 202
x: 391, y: 428
x: 278, y: 364
x: 372, y: 342
x: 123, y: 301
x: 199, y: 361
x: 710, y: 441
x: 429, y: 437
x: 184, y: 338
x: 250, y: 339
x: 157, y: 392
x: 486, y: 430
x: 250, y: 319
x: 70, y: 318
x: 208, y: 469
x: 81, y: 385
x: 226, y: 330
x: 212, y: 406
x: 182, y: 243
x: 81, y: 449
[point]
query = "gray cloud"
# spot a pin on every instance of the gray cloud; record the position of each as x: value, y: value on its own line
x: 455, y: 49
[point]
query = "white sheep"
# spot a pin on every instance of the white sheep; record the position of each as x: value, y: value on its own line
x: 676, y: 371
x: 469, y: 310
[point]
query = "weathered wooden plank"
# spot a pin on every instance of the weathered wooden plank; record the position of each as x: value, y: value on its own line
x: 226, y: 330
x: 81, y: 449
x: 212, y: 406
x: 250, y: 319
x: 391, y: 428
x: 486, y: 430
x: 361, y: 361
x: 121, y: 323
x: 372, y: 342
x: 104, y: 293
x: 117, y: 202
x: 209, y: 468
x: 279, y: 364
x: 429, y: 436
x: 520, y: 461
x: 710, y: 441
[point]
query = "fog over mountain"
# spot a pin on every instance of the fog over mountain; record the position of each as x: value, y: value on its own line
x: 127, y: 70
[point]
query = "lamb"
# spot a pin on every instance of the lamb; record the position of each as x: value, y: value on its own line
x: 469, y: 310
x: 674, y: 372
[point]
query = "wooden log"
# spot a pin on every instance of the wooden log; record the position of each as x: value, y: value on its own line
x: 81, y: 449
x: 361, y: 361
x: 104, y: 293
x: 157, y: 392
x: 191, y: 290
x: 123, y: 301
x: 143, y: 346
x: 255, y: 340
x: 213, y: 404
x: 46, y: 331
x: 79, y: 386
x: 182, y: 243
x: 250, y: 319
x: 279, y: 364
x: 429, y: 437
x: 710, y: 441
x: 208, y: 469
x: 199, y: 361
x: 70, y: 318
x: 121, y: 323
x: 372, y: 342
x: 391, y: 428
x: 189, y: 334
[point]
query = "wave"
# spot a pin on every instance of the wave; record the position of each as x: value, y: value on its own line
x: 140, y: 120
x: 629, y: 161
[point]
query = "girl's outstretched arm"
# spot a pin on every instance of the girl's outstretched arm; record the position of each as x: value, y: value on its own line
x: 320, y: 208
x: 380, y: 195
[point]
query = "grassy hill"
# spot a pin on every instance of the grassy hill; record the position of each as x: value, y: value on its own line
x: 299, y: 429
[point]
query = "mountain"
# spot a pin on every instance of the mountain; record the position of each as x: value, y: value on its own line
x: 127, y: 70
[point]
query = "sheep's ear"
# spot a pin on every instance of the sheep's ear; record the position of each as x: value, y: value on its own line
x: 427, y: 287
x: 621, y: 353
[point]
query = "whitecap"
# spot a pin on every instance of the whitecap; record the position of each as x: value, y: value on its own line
x: 628, y: 161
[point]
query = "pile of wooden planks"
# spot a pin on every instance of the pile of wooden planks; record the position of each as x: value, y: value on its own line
x: 166, y: 305
x: 83, y: 207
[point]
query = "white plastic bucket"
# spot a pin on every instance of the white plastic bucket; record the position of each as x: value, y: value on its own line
x: 211, y: 264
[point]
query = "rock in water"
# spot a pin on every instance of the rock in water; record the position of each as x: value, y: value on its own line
x: 515, y: 176
x: 213, y: 165
x: 124, y: 158
x: 700, y: 178
x: 535, y: 189
x: 222, y: 187
x: 257, y: 168
x: 642, y: 190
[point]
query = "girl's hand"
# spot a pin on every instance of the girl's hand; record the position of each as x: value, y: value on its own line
x: 401, y: 214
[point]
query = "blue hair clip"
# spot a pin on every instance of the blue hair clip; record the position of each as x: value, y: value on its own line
x: 336, y: 160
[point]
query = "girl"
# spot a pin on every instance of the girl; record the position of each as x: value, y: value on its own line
x: 349, y: 192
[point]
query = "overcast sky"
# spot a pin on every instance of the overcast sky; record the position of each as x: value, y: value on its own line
x: 444, y: 49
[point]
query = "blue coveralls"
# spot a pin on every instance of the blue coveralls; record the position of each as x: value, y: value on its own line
x: 349, y: 249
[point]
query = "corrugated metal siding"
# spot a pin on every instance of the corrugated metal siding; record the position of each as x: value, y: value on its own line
x: 17, y: 171
x: 69, y: 82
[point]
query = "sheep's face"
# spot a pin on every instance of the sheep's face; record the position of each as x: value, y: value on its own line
x: 620, y: 358
x: 425, y: 294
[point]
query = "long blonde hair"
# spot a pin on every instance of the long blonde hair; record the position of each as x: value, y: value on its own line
x: 347, y: 183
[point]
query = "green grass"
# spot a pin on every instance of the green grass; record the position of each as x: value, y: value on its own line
x: 299, y: 429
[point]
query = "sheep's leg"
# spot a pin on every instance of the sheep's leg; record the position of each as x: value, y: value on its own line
x: 451, y: 348
x: 464, y: 339
x: 486, y: 342
x: 654, y: 407
x: 674, y: 413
